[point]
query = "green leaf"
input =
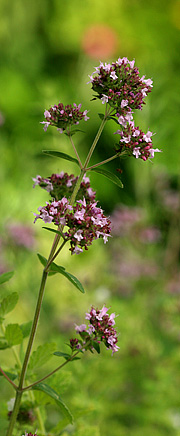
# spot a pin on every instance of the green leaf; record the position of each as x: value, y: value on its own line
x: 52, y: 230
x: 10, y: 375
x: 8, y: 303
x: 54, y: 268
x: 101, y: 116
x: 61, y: 155
x: 69, y: 276
x: 53, y: 394
x: 114, y: 119
x: 13, y: 334
x: 96, y: 346
x: 60, y: 354
x: 26, y: 328
x: 3, y: 344
x: 6, y: 276
x: 109, y: 176
x: 41, y: 355
x: 42, y: 259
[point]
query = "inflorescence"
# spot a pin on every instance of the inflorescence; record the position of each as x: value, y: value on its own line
x: 120, y: 86
x: 63, y: 117
x: 30, y: 434
x: 62, y: 185
x: 100, y: 329
x: 83, y: 221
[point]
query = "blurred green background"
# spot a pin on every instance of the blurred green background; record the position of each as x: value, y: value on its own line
x: 48, y: 49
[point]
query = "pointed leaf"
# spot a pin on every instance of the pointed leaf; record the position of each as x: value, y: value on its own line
x: 10, y: 375
x: 109, y: 176
x: 3, y: 344
x: 69, y: 276
x: 96, y: 346
x: 26, y: 328
x: 53, y: 394
x: 52, y: 230
x: 114, y: 119
x: 13, y: 334
x: 41, y: 355
x: 61, y: 155
x: 8, y: 303
x: 44, y: 261
x: 6, y: 276
x: 60, y: 354
x: 101, y: 116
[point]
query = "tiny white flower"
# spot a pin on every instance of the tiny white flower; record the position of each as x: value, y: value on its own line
x: 136, y: 152
x: 113, y: 75
x: 124, y: 103
x: 104, y: 99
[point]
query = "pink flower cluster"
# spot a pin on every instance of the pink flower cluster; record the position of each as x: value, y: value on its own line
x: 30, y: 434
x: 63, y: 117
x: 85, y: 222
x: 62, y: 185
x: 134, y: 140
x: 120, y: 85
x: 100, y: 329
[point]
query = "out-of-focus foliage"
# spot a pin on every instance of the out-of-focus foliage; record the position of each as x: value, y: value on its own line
x: 47, y: 51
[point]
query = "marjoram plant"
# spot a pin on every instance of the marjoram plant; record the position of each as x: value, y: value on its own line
x: 78, y: 220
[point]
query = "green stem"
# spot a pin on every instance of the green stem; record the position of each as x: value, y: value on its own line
x: 8, y: 379
x: 33, y: 329
x: 96, y: 139
x: 55, y: 255
x: 75, y: 151
x: 27, y: 355
x: 14, y: 413
x: 51, y: 373
x: 77, y: 186
x: 103, y: 162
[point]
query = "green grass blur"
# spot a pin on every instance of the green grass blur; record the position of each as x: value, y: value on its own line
x: 47, y: 50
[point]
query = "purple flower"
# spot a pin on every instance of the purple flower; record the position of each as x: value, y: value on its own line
x: 84, y: 222
x: 63, y: 117
x: 135, y: 141
x: 62, y: 185
x: 30, y: 434
x: 100, y: 329
x: 120, y: 85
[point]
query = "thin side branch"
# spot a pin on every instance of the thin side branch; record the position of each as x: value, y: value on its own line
x: 8, y: 379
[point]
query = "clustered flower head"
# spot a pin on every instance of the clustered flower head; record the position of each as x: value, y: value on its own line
x: 85, y: 222
x: 62, y: 185
x: 135, y: 141
x: 100, y: 329
x: 29, y: 434
x: 63, y: 117
x: 121, y: 87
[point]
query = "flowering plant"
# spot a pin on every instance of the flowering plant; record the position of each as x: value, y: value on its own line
x: 78, y: 220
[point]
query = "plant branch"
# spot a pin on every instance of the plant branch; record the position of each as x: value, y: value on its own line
x: 103, y: 162
x: 55, y: 255
x: 8, y: 379
x: 52, y: 372
x: 76, y: 153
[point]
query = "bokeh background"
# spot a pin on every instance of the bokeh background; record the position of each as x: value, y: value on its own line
x: 47, y: 50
